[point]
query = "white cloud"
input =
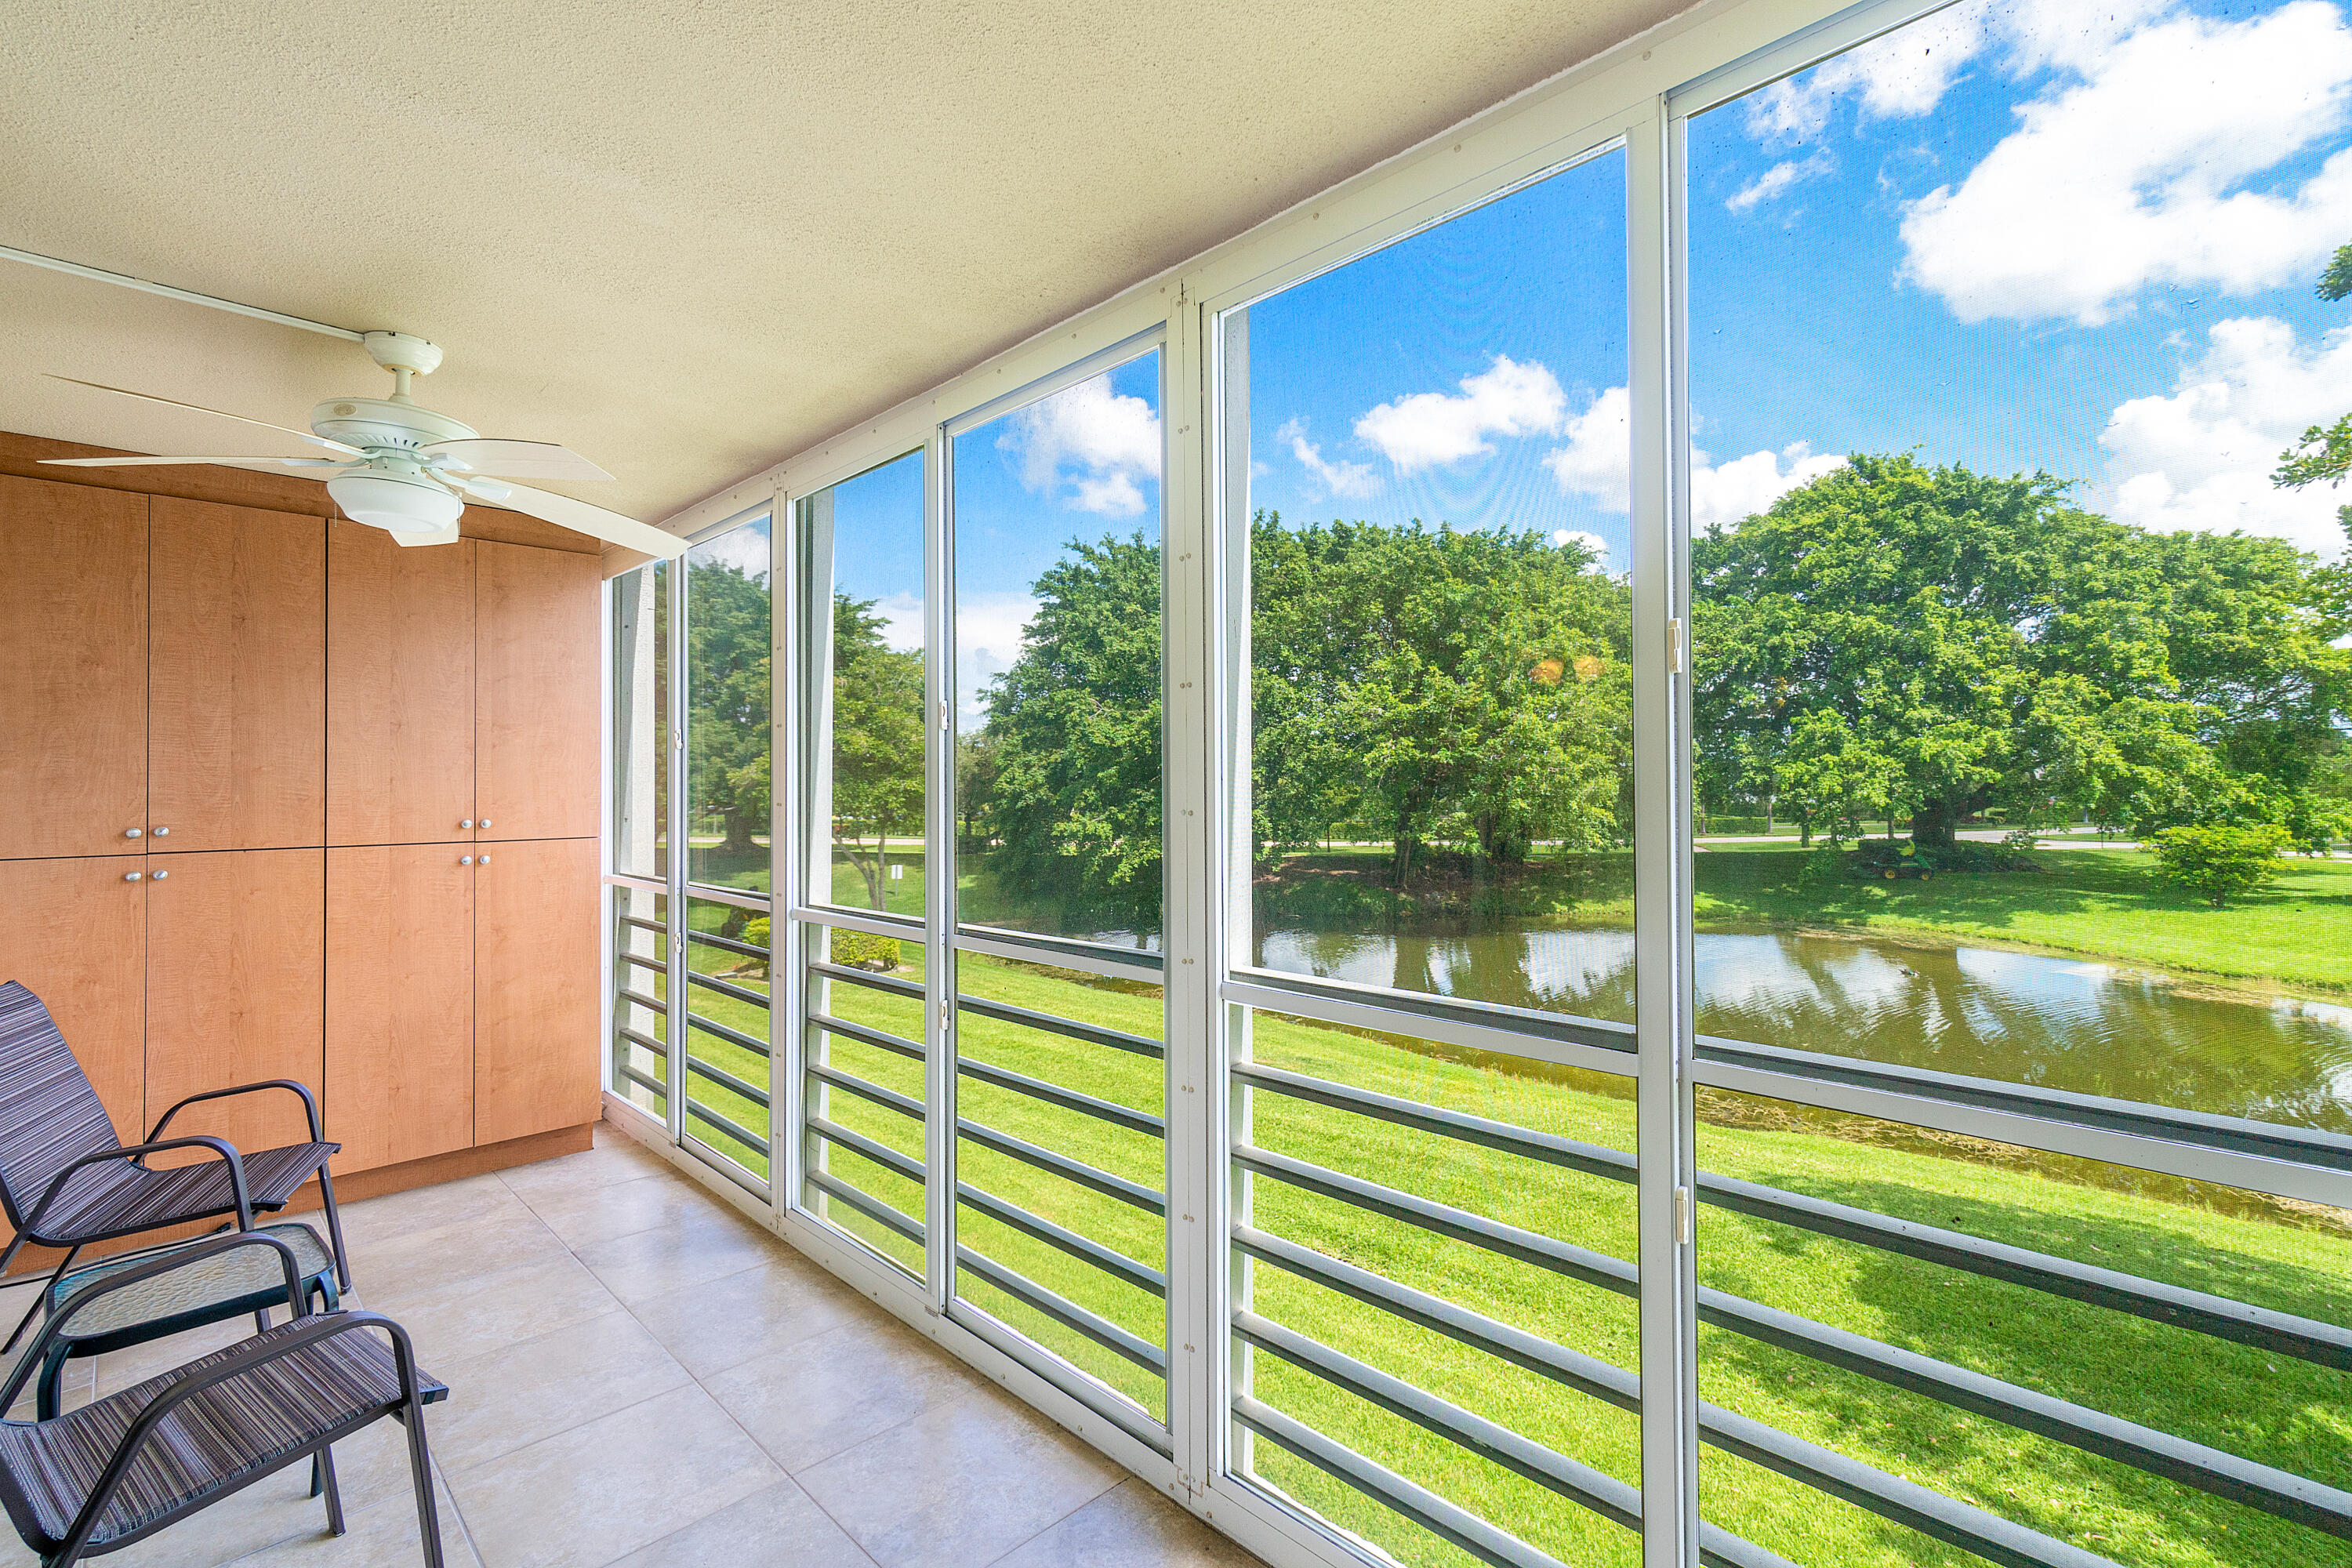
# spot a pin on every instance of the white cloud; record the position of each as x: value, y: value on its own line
x: 1430, y: 428
x: 746, y: 549
x: 1340, y: 478
x: 1745, y: 486
x: 1773, y: 181
x: 988, y: 632
x: 1111, y: 439
x: 2131, y: 174
x: 2201, y: 459
x: 1901, y: 75
x: 1598, y: 460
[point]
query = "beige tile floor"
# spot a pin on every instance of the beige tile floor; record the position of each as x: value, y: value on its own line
x: 640, y: 1377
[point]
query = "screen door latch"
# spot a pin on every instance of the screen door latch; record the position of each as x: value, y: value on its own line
x: 1674, y: 645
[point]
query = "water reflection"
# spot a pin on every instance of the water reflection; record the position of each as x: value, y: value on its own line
x: 2056, y: 1023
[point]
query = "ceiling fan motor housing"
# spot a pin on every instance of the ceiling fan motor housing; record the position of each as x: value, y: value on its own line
x: 373, y: 423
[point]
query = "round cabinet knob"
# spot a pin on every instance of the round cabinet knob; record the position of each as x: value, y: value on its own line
x: 485, y: 860
x: 465, y: 859
x: 158, y: 876
x: 130, y: 833
x: 131, y: 876
x: 467, y: 823
x: 486, y: 822
x: 162, y: 833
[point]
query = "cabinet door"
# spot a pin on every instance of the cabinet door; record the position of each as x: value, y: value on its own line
x: 535, y: 988
x: 73, y: 668
x: 400, y: 1002
x: 536, y: 715
x: 236, y: 727
x: 76, y: 936
x: 235, y: 979
x: 400, y: 688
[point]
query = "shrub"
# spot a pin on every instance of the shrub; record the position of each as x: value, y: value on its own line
x: 2221, y: 862
x: 860, y: 950
x: 756, y: 932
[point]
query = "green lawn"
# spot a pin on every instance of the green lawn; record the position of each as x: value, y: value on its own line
x: 2248, y: 1402
x: 2296, y: 933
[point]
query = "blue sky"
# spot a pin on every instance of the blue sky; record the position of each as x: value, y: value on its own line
x: 2067, y: 236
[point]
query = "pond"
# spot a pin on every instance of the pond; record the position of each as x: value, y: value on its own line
x: 2054, y: 1022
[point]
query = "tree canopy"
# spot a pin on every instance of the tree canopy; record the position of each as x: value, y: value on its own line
x: 877, y: 741
x: 1898, y: 639
x: 728, y: 687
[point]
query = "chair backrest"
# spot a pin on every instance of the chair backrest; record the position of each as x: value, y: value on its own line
x: 49, y: 1115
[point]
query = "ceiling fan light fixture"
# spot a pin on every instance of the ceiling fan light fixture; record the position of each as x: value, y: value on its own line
x: 402, y: 503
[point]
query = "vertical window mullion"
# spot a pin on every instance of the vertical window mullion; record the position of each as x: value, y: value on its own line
x: 938, y: 869
x: 674, y: 865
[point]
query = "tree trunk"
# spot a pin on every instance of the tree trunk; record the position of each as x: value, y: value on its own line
x: 1933, y: 822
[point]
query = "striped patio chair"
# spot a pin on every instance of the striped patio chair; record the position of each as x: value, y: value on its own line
x: 67, y: 1180
x: 99, y: 1479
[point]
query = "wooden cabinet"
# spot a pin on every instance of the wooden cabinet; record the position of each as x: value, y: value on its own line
x: 236, y: 722
x: 236, y: 983
x: 536, y: 677
x: 400, y: 1002
x: 400, y: 688
x: 73, y: 668
x: 535, y: 1023
x: 76, y: 936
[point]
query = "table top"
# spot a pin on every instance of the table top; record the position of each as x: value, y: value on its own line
x: 234, y: 1275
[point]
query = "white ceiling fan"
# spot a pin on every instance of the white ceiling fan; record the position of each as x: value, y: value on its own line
x: 408, y: 470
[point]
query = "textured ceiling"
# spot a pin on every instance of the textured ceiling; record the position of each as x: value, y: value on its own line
x: 686, y: 240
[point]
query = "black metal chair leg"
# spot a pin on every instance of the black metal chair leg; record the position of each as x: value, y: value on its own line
x: 40, y: 1296
x: 334, y: 1228
x: 420, y: 1469
x: 324, y: 1459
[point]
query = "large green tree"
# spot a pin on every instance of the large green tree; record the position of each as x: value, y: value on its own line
x: 877, y: 742
x: 1458, y: 689
x: 1902, y: 639
x: 1070, y: 750
x: 728, y: 687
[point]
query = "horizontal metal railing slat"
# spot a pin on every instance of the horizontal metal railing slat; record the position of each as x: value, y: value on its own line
x: 742, y: 1135
x: 880, y: 1039
x: 728, y: 945
x: 650, y: 1003
x: 733, y: 1036
x: 645, y: 1042
x: 1062, y: 1165
x: 866, y: 1089
x: 1441, y: 1518
x: 743, y: 994
x: 865, y: 1203
x: 642, y: 1081
x: 1055, y: 1024
x: 1117, y: 1115
x: 1590, y: 1158
x: 867, y: 978
x: 1067, y: 1312
x: 642, y: 924
x: 881, y: 1154
x: 1086, y: 1248
x: 697, y: 1068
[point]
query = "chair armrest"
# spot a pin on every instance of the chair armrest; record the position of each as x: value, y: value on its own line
x: 254, y: 1352
x: 297, y: 1298
x: 221, y: 1147
x: 310, y: 1104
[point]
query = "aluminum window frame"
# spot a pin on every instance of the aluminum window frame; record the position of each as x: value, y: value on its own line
x: 1641, y: 91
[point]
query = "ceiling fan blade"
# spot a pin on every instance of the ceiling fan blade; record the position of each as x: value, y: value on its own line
x: 443, y: 536
x: 150, y: 462
x: 175, y: 403
x: 519, y: 459
x: 594, y: 520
